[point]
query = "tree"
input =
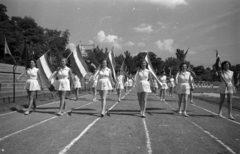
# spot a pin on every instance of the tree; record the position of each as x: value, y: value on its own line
x: 181, y: 55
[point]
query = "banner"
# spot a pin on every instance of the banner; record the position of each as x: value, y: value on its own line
x: 7, y: 51
x: 45, y: 71
x: 78, y: 64
x: 112, y: 64
x: 150, y: 67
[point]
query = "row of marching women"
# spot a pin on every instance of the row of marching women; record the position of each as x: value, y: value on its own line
x: 143, y: 82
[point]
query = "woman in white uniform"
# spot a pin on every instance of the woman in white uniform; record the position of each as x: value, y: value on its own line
x: 76, y: 85
x: 62, y: 85
x: 105, y: 83
x: 164, y: 87
x: 32, y: 84
x: 126, y: 84
x: 226, y: 88
x: 143, y: 86
x: 171, y: 85
x: 119, y: 83
x: 183, y: 86
x: 93, y: 80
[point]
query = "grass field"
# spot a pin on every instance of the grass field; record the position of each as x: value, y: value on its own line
x: 214, y: 100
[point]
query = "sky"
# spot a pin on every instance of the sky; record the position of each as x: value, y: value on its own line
x: 160, y: 26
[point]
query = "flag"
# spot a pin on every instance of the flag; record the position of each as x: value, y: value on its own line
x: 93, y: 65
x: 78, y: 64
x: 25, y: 56
x: 123, y: 70
x: 7, y: 51
x: 112, y: 64
x: 123, y: 67
x: 150, y: 67
x: 217, y: 65
x: 45, y: 71
x: 49, y: 60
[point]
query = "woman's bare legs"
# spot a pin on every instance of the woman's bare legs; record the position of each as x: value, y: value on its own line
x: 140, y: 102
x: 222, y: 99
x: 164, y: 94
x: 119, y: 95
x: 144, y: 103
x: 103, y: 95
x: 76, y: 91
x: 185, y: 98
x: 229, y: 100
x: 179, y: 103
x: 62, y: 95
x: 31, y: 99
x: 161, y: 94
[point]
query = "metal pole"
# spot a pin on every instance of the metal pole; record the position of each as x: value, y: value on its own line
x: 14, y: 85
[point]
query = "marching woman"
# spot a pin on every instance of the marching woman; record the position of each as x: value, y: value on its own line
x: 155, y: 86
x: 164, y: 87
x: 104, y: 84
x: 76, y: 84
x: 32, y: 84
x: 130, y: 82
x: 143, y: 86
x: 119, y: 83
x: 93, y: 80
x: 193, y: 75
x: 126, y: 84
x: 226, y: 88
x: 183, y: 86
x: 171, y: 85
x: 62, y: 85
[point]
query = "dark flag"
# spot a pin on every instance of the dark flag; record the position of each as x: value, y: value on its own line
x: 7, y: 51
x: 218, y: 62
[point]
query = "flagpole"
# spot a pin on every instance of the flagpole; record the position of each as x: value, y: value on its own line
x: 69, y: 55
x: 4, y: 51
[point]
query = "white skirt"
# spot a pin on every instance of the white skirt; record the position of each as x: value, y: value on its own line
x: 143, y: 86
x: 62, y: 85
x: 32, y: 85
x: 77, y: 84
x: 104, y: 84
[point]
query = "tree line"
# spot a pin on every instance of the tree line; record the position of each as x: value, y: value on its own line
x: 39, y: 40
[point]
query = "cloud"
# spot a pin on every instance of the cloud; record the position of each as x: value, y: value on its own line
x: 168, y: 3
x: 109, y: 40
x: 70, y: 46
x: 143, y: 28
x: 90, y: 42
x: 191, y: 52
x: 129, y: 43
x: 164, y: 26
x: 165, y: 45
x: 141, y: 44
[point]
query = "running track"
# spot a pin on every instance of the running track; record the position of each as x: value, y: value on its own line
x: 122, y: 131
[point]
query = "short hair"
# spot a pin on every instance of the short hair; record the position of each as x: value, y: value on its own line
x: 163, y: 72
x: 32, y: 60
x: 117, y: 70
x: 182, y: 65
x: 225, y: 62
x: 103, y: 61
x: 143, y: 60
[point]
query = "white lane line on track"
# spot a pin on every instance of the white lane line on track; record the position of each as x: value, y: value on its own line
x: 66, y: 148
x: 39, y: 105
x: 148, y: 142
x: 215, y: 138
x: 212, y: 136
x: 216, y: 114
x: 7, y: 136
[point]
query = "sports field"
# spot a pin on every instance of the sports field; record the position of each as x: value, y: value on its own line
x: 122, y: 131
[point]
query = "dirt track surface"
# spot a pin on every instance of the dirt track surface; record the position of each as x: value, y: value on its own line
x: 122, y: 130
